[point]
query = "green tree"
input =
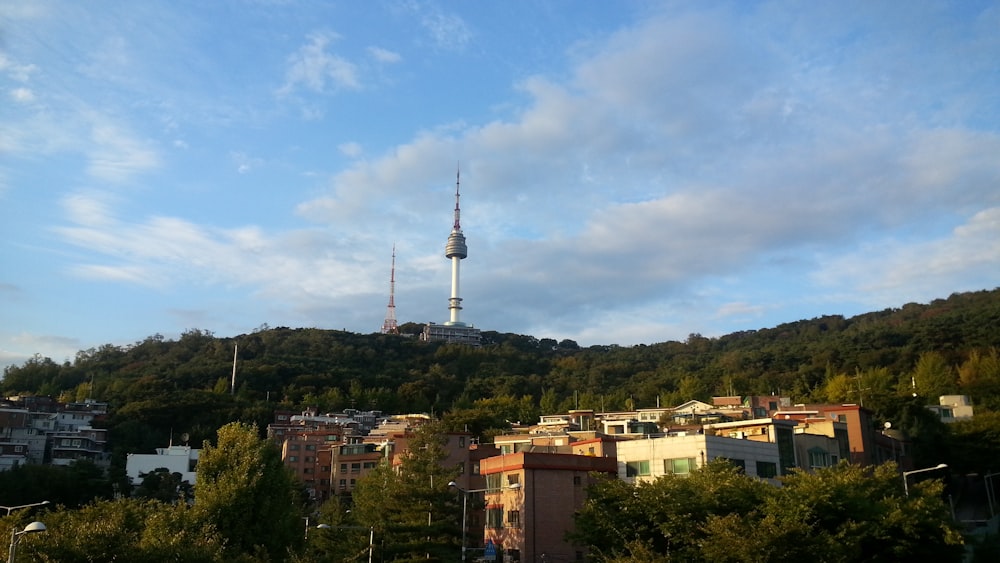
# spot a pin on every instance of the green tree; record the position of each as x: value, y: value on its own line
x: 933, y: 377
x: 665, y: 516
x: 162, y: 485
x: 413, y: 510
x: 125, y: 530
x: 840, y: 514
x: 247, y: 493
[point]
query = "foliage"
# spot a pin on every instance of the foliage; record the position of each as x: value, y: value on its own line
x: 839, y: 514
x: 72, y: 486
x: 665, y: 516
x: 246, y: 492
x: 125, y: 530
x: 414, y: 512
x: 164, y: 486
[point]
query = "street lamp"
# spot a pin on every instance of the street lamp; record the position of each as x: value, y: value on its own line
x: 371, y: 534
x: 465, y: 504
x: 10, y: 509
x: 15, y: 537
x: 906, y: 486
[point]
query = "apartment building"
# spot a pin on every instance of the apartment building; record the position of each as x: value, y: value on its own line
x: 679, y: 454
x: 530, y: 501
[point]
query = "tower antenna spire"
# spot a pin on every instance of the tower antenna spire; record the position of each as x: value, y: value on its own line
x: 389, y: 325
x: 458, y: 222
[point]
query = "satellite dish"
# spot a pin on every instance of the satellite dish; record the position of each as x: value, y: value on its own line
x: 185, y: 437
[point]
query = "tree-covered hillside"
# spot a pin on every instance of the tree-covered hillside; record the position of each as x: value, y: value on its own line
x: 158, y: 386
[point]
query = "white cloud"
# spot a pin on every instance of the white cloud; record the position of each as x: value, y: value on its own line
x: 448, y: 31
x: 314, y: 68
x: 384, y: 55
x: 16, y: 71
x: 968, y: 258
x: 351, y: 149
x: 117, y: 156
x: 22, y: 95
x: 245, y: 163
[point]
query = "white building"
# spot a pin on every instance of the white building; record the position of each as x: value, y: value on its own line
x: 953, y: 407
x: 653, y: 457
x: 175, y: 459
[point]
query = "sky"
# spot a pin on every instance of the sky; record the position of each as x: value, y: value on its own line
x: 632, y: 172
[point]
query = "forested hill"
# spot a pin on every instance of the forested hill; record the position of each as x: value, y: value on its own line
x: 156, y: 385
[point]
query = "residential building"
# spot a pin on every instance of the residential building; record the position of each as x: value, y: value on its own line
x: 175, y: 459
x: 951, y: 408
x: 530, y: 501
x: 679, y: 454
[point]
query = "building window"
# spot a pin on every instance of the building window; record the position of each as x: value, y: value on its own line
x: 294, y: 447
x: 343, y: 484
x: 461, y: 467
x: 818, y: 458
x: 577, y: 481
x: 514, y: 519
x: 293, y: 458
x: 493, y: 481
x: 369, y: 465
x: 355, y: 468
x: 311, y: 447
x: 475, y: 467
x: 494, y: 517
x: 307, y: 470
x: 679, y: 466
x: 461, y: 441
x: 307, y: 459
x: 635, y: 468
x: 767, y: 469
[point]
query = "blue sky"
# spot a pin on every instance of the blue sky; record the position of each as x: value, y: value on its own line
x: 632, y: 172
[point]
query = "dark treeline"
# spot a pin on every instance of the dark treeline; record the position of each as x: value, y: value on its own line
x: 159, y: 388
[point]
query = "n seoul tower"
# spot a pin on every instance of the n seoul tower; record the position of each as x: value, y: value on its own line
x: 454, y: 330
x: 456, y: 251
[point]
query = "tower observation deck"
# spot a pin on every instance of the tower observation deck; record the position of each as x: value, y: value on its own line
x: 456, y: 250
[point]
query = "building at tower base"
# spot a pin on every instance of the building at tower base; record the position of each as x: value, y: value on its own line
x: 459, y: 334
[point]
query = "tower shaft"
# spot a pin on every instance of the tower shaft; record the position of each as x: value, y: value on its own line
x: 456, y: 250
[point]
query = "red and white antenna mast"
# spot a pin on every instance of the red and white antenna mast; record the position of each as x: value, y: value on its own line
x: 389, y: 325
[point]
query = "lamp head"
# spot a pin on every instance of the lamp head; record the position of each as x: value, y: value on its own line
x: 452, y: 484
x: 942, y: 466
x: 514, y: 486
x: 33, y: 527
x: 323, y: 527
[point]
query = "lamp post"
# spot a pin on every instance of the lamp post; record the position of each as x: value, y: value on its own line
x: 10, y: 509
x: 15, y: 538
x: 906, y: 474
x: 465, y: 504
x: 990, y: 491
x: 371, y: 534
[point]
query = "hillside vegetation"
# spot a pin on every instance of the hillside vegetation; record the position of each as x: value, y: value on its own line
x: 156, y: 386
